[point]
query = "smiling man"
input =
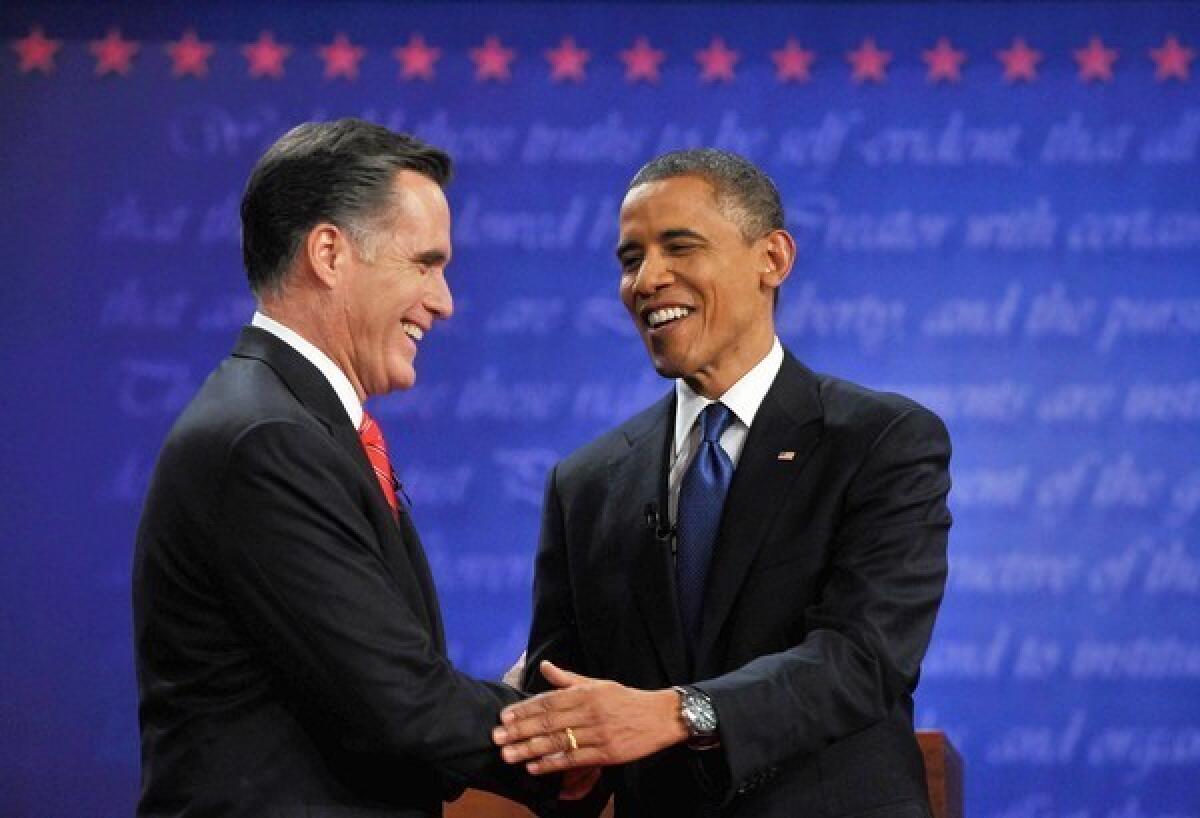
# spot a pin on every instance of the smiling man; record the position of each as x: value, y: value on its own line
x: 755, y: 562
x: 289, y: 644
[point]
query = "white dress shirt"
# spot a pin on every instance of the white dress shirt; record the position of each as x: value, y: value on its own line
x: 743, y: 400
x: 336, y: 377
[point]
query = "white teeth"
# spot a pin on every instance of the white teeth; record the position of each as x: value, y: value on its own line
x: 659, y: 317
x: 413, y: 331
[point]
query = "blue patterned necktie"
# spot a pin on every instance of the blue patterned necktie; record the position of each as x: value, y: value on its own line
x: 701, y: 499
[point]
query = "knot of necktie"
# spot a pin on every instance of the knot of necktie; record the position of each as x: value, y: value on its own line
x: 714, y: 420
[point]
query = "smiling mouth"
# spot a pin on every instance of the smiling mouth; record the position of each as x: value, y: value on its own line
x: 661, y: 317
x: 412, y: 330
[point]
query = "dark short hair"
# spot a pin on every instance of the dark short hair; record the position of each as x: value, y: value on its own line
x: 743, y: 192
x: 339, y: 172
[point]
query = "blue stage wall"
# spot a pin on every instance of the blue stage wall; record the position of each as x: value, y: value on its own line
x: 1015, y: 243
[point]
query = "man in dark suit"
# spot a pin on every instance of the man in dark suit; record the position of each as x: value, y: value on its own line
x: 290, y: 653
x: 756, y: 560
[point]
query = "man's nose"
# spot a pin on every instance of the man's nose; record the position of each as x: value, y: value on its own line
x: 653, y: 274
x: 439, y: 300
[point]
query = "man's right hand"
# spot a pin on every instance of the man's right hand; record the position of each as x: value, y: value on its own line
x: 587, y: 723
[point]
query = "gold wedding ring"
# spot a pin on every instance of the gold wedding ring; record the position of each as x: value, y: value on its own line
x: 572, y: 742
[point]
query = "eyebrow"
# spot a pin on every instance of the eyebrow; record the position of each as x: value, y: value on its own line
x: 680, y: 233
x: 431, y: 258
x: 625, y: 246
x: 666, y: 235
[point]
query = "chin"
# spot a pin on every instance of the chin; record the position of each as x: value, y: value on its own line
x: 667, y: 367
x: 400, y: 375
x: 664, y: 363
x: 389, y: 385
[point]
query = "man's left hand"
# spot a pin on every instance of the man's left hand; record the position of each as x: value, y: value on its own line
x: 608, y: 724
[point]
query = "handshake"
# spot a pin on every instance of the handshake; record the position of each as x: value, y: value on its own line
x: 308, y: 571
x: 585, y: 724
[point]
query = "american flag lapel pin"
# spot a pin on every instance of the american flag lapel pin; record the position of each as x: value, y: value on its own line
x: 786, y: 456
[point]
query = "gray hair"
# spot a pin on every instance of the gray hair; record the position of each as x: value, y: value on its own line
x: 339, y: 172
x: 744, y: 193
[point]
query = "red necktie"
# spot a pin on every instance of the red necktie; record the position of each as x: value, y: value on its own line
x: 372, y: 440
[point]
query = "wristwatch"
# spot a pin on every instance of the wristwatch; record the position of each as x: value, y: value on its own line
x: 699, y: 717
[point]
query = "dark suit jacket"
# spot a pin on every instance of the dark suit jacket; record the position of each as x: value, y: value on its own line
x: 290, y: 653
x: 828, y: 572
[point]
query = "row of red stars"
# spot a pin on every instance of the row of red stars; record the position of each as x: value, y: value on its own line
x: 493, y: 60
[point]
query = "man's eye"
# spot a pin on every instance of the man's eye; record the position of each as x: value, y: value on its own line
x: 630, y: 263
x: 680, y: 249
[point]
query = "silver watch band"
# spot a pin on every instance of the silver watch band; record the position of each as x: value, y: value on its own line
x: 699, y: 717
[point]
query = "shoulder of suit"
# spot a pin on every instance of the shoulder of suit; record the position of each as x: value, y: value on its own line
x: 240, y: 394
x: 858, y: 409
x: 616, y: 443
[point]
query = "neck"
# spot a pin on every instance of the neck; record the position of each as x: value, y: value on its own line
x: 713, y: 382
x: 311, y: 322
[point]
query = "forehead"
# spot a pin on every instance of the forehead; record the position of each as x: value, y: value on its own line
x: 416, y: 217
x: 419, y: 200
x: 415, y: 222
x: 681, y: 201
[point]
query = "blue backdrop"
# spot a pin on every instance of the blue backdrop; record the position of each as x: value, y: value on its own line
x: 997, y: 213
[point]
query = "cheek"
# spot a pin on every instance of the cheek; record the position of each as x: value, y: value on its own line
x: 389, y: 308
x: 625, y: 292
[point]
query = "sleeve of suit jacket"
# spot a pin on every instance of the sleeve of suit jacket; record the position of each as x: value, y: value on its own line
x: 867, y: 633
x: 300, y: 566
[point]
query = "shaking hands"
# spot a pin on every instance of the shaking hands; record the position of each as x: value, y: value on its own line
x: 586, y: 724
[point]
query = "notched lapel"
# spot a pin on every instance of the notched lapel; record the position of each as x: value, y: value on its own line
x: 311, y: 388
x: 787, y: 424
x: 399, y: 546
x: 644, y: 470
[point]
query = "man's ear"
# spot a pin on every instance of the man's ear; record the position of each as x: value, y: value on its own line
x: 326, y: 249
x: 778, y: 255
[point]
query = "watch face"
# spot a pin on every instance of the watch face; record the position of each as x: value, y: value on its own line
x: 701, y: 718
x: 706, y: 720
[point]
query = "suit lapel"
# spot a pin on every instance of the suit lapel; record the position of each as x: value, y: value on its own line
x: 309, y: 386
x: 642, y: 473
x: 787, y: 422
x: 312, y: 389
x: 316, y: 394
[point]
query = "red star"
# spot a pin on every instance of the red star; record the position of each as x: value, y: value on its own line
x: 717, y: 61
x: 265, y: 56
x: 1171, y: 59
x: 1095, y: 61
x: 793, y: 63
x: 1020, y: 61
x: 189, y: 55
x: 341, y: 57
x: 642, y: 61
x: 567, y: 61
x: 944, y: 61
x: 36, y: 52
x: 416, y: 58
x: 113, y: 54
x: 491, y: 60
x: 869, y: 62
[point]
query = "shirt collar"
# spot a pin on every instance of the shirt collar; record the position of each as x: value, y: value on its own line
x: 743, y: 398
x: 336, y: 377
